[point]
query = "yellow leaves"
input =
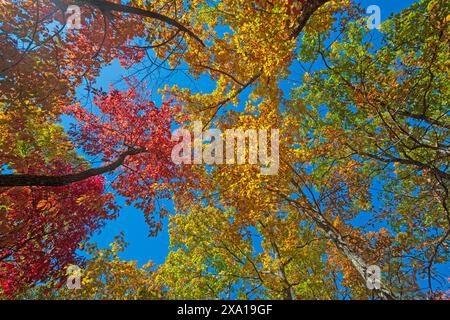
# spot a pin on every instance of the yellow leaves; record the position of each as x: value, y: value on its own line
x: 336, y: 222
x: 323, y: 19
x: 258, y: 43
x: 447, y: 19
x: 432, y: 5
x: 384, y: 232
x: 29, y: 138
x: 50, y: 205
x: 82, y: 199
x: 106, y: 276
x: 306, y: 76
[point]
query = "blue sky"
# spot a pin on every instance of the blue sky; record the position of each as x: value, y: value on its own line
x: 131, y: 221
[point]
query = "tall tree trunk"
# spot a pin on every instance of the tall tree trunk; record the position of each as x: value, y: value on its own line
x: 357, y: 261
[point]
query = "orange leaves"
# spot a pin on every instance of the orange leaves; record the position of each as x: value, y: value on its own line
x: 47, y: 205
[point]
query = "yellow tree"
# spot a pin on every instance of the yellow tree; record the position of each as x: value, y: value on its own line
x: 220, y: 258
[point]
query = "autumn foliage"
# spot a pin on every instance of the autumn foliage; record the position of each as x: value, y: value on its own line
x: 364, y: 148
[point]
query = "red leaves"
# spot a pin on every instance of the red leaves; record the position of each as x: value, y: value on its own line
x: 42, y: 64
x: 127, y: 120
x: 42, y: 228
x: 124, y: 121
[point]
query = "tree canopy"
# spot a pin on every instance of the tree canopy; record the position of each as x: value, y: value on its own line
x: 362, y: 120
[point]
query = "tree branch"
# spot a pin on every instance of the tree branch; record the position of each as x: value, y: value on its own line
x: 309, y: 7
x: 17, y: 180
x: 110, y: 6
